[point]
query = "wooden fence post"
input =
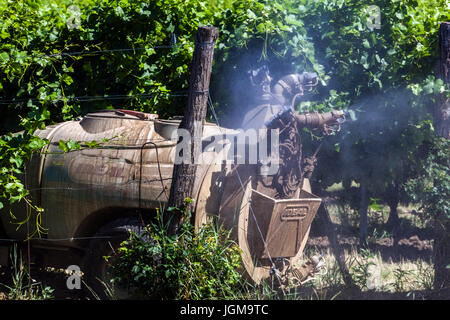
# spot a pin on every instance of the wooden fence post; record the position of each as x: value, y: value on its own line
x: 184, y: 174
x: 442, y: 108
x: 441, y: 246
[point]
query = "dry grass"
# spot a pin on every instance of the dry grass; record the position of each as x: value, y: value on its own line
x: 383, y: 271
x: 370, y: 272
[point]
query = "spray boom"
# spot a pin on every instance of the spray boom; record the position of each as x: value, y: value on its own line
x: 323, y: 121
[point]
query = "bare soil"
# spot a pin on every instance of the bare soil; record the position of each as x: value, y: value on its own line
x: 410, y: 248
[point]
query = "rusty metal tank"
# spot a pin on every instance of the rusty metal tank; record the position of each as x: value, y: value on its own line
x: 131, y: 170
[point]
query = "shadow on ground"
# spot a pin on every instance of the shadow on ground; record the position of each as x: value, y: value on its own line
x: 344, y: 293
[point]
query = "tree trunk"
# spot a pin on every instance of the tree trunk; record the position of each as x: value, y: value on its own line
x: 364, y: 206
x: 442, y: 108
x: 392, y: 198
x: 184, y: 174
x: 441, y: 245
x: 441, y: 253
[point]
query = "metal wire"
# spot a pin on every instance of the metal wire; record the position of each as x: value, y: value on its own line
x: 96, y: 98
x: 159, y: 171
x: 59, y: 239
x: 79, y: 53
x: 173, y: 41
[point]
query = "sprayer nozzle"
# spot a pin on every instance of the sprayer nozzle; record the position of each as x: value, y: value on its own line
x: 350, y: 115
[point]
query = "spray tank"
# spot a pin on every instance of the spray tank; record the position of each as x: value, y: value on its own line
x: 131, y: 171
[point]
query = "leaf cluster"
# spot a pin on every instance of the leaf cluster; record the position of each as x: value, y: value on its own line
x: 187, y: 265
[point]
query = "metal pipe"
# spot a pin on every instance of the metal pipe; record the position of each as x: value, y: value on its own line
x: 320, y: 120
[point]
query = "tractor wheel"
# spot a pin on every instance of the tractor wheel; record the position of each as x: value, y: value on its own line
x: 105, y: 244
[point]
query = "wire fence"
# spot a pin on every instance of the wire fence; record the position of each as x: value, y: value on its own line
x: 173, y: 44
x: 105, y: 97
x: 61, y: 239
x: 97, y: 98
x: 79, y: 53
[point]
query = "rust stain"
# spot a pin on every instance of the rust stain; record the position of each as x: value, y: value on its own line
x: 84, y: 170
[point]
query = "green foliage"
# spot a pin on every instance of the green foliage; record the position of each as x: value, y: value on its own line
x: 44, y: 73
x: 384, y: 75
x: 15, y: 151
x: 188, y: 265
x: 401, y: 279
x: 431, y: 187
x: 360, y: 268
x: 255, y: 32
x: 71, y: 145
x: 41, y: 84
x: 374, y: 205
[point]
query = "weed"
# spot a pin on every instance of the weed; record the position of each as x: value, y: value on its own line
x: 402, y: 277
x: 109, y: 290
x: 188, y: 265
x: 425, y: 275
x: 23, y: 287
x: 361, y: 269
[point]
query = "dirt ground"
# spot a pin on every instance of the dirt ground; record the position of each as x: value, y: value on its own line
x: 410, y: 248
